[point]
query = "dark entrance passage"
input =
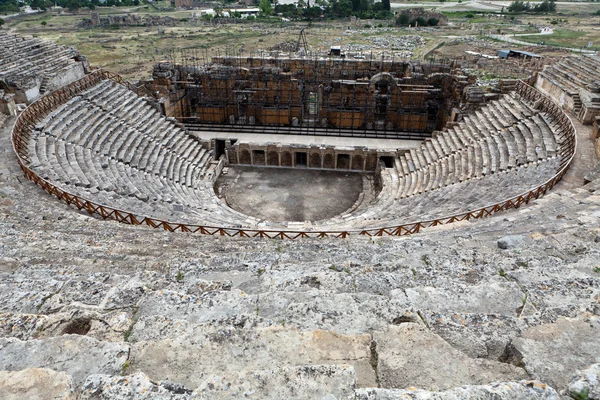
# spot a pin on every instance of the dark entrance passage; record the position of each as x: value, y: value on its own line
x: 388, y: 161
x: 301, y: 160
x: 219, y: 148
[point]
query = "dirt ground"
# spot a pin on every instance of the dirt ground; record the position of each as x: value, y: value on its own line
x: 283, y: 194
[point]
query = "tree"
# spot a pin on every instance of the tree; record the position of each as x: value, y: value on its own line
x: 1, y: 22
x: 545, y: 6
x: 518, y: 6
x: 433, y: 22
x: 386, y: 5
x: 265, y: 8
x: 402, y: 20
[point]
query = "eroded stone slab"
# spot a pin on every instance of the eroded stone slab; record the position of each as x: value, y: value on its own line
x: 409, y: 355
x: 553, y: 352
x: 495, y: 296
x: 327, y: 382
x: 77, y: 355
x: 36, y: 384
x: 523, y: 390
x: 136, y: 386
x: 206, y: 350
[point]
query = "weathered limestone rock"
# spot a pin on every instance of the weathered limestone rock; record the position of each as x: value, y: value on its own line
x: 136, y: 386
x: 77, y: 355
x: 523, y: 390
x: 36, y: 384
x: 510, y: 242
x: 21, y: 326
x: 349, y: 313
x: 552, y: 353
x: 327, y: 382
x: 409, y: 355
x: 586, y: 383
x: 205, y: 350
x: 476, y: 335
x: 497, y: 295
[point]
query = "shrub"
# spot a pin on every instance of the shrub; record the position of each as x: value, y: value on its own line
x: 402, y: 20
x: 432, y: 22
x: 419, y: 21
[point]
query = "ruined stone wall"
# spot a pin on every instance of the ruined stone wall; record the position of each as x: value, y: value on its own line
x: 293, y: 156
x: 287, y: 95
x: 127, y: 20
x: 554, y: 90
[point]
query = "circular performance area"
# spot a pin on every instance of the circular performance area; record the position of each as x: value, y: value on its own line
x: 282, y: 195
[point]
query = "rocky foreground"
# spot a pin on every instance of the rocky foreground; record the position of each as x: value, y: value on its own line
x: 503, y: 308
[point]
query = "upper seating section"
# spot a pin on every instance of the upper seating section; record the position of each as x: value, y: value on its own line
x: 574, y: 73
x: 34, y: 66
x: 573, y: 81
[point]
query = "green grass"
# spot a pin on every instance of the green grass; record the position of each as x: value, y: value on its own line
x: 563, y: 38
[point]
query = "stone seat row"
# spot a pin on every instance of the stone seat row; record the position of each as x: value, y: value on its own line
x: 173, y: 154
x: 387, y: 210
x: 432, y: 166
x: 115, y: 184
x: 155, y: 168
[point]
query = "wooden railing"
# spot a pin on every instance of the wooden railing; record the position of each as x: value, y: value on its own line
x: 24, y: 126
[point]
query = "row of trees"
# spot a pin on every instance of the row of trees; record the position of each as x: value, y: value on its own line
x: 15, y: 5
x: 329, y: 9
x: 545, y: 6
x: 9, y: 6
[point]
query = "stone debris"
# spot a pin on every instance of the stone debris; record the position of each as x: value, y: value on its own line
x: 401, y: 45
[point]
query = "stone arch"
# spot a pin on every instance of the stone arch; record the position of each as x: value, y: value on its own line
x: 382, y: 79
x: 273, y: 158
x: 357, y: 162
x: 343, y: 161
x: 245, y: 157
x: 315, y: 160
x: 329, y: 161
x: 286, y: 159
x: 258, y: 157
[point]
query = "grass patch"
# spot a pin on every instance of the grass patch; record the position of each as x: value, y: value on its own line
x: 563, y: 38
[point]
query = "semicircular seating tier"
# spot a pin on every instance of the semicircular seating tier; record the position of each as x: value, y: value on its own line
x: 31, y: 66
x: 111, y: 147
x: 497, y: 152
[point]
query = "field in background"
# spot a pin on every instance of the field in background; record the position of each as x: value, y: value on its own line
x: 131, y: 51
